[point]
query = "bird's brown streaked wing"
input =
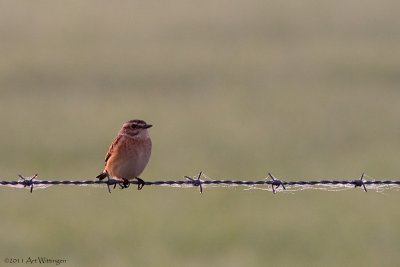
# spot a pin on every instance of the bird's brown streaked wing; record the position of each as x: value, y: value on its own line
x: 112, y: 146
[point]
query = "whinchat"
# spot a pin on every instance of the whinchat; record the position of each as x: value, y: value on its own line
x: 128, y: 154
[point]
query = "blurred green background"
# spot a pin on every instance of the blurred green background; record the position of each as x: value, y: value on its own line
x: 303, y: 89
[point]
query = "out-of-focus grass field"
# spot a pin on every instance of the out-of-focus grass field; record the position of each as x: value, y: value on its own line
x: 303, y: 89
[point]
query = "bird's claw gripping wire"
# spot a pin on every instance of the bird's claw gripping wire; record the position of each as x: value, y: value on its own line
x: 196, y: 182
x: 276, y: 183
x: 27, y: 181
x: 124, y: 184
x: 140, y: 183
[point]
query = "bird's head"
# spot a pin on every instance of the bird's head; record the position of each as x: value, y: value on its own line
x: 136, y: 128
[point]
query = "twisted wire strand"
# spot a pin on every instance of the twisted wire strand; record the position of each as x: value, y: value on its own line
x: 274, y: 183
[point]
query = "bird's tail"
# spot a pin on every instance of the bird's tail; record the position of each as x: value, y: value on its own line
x: 102, y: 175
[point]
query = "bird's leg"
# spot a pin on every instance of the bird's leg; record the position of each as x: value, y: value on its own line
x: 140, y: 183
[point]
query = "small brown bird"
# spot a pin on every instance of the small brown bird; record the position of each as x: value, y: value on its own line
x: 128, y: 154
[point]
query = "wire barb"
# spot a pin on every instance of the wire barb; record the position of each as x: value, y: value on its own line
x: 27, y: 181
x: 360, y: 183
x: 276, y: 183
x: 196, y: 182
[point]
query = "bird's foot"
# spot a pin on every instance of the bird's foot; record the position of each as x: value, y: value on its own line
x: 140, y: 183
x: 124, y: 184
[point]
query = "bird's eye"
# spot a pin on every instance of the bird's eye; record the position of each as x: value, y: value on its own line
x: 133, y: 126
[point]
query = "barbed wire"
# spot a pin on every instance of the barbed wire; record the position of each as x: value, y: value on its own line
x: 271, y: 183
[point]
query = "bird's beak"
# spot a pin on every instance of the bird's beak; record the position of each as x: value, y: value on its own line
x: 147, y: 126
